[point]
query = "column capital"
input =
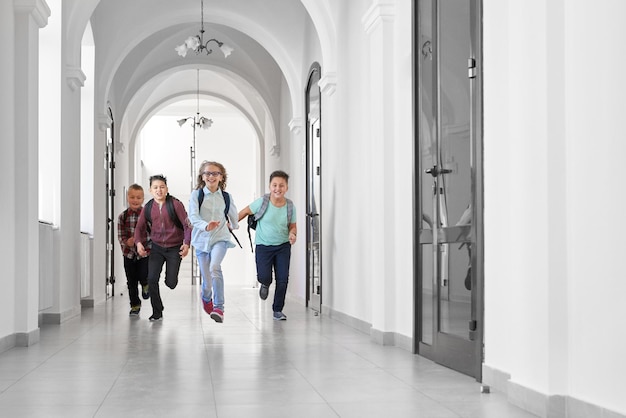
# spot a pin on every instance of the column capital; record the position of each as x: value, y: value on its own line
x: 104, y: 121
x: 295, y: 125
x: 380, y: 11
x: 37, y: 8
x: 75, y: 77
x: 328, y: 83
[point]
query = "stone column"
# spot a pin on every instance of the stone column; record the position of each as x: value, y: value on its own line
x: 30, y: 16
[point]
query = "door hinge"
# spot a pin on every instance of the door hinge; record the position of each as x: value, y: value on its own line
x: 471, y: 68
x: 472, y: 325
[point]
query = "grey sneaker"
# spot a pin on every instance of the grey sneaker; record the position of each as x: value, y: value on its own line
x: 279, y: 316
x: 263, y: 291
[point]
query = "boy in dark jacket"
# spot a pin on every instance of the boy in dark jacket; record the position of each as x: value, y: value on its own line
x: 165, y: 218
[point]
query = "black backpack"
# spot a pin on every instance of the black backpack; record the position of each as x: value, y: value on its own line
x: 226, y: 201
x: 253, y: 219
x: 169, y: 204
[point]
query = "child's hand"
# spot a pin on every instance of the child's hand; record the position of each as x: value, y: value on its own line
x: 130, y: 241
x: 141, y: 250
x: 212, y: 225
x: 184, y: 249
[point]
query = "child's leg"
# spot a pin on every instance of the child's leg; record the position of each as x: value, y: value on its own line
x: 172, y: 266
x: 132, y: 280
x: 218, y: 251
x: 264, y: 259
x: 155, y: 265
x: 204, y: 261
x: 282, y: 257
x: 142, y: 270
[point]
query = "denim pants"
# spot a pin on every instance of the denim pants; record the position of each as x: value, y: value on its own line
x: 158, y: 256
x: 274, y: 257
x: 136, y: 273
x: 210, y: 264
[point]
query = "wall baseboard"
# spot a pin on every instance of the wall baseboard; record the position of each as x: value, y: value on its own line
x: 57, y: 318
x: 19, y: 339
x: 540, y: 404
x: 376, y: 336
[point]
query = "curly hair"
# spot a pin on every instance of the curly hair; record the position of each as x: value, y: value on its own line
x: 222, y: 184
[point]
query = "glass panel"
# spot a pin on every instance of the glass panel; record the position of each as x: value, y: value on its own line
x: 427, y: 104
x: 426, y: 313
x: 455, y: 146
x: 455, y: 298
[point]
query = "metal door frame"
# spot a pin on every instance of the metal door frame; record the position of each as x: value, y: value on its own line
x: 313, y: 301
x: 458, y: 359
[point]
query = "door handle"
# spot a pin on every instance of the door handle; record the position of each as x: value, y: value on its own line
x: 435, y: 171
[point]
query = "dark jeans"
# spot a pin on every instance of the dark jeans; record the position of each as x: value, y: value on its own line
x: 136, y: 273
x: 276, y: 257
x: 172, y: 260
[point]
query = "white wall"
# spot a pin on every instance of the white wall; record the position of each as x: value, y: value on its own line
x: 553, y: 204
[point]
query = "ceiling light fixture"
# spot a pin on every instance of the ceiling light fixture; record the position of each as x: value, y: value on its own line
x: 197, y: 44
x: 198, y: 122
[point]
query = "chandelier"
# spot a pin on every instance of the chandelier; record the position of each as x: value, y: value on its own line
x: 198, y: 121
x: 197, y: 44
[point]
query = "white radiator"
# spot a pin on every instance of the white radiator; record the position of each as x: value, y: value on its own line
x: 86, y: 251
x: 47, y: 265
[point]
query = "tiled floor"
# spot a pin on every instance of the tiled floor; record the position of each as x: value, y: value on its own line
x: 105, y: 364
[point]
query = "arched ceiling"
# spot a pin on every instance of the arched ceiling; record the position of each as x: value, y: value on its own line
x: 137, y: 67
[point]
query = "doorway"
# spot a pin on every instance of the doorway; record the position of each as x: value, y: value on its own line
x: 313, y: 189
x: 449, y: 312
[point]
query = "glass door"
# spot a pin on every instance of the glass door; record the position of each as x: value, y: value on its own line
x: 313, y: 195
x: 449, y: 330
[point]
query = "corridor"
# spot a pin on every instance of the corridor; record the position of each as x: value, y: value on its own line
x: 105, y: 364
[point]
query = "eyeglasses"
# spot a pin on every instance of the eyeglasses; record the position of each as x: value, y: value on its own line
x: 211, y: 173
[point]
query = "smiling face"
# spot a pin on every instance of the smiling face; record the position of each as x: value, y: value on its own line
x: 135, y: 198
x: 158, y: 190
x: 212, y: 175
x: 278, y: 187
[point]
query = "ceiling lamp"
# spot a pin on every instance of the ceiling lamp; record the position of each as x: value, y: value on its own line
x: 197, y: 44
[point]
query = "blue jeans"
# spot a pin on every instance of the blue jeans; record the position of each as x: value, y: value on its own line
x: 275, y: 257
x: 211, y: 271
x: 158, y: 256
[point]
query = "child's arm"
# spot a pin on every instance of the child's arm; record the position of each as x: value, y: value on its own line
x: 244, y: 212
x: 122, y: 233
x: 293, y: 233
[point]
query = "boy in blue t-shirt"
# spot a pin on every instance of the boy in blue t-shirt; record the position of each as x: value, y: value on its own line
x: 275, y: 234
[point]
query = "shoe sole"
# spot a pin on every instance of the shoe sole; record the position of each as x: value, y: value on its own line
x: 217, y: 317
x: 156, y: 319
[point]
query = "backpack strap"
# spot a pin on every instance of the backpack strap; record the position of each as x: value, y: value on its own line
x: 227, y: 202
x: 200, y: 198
x: 147, y: 214
x: 169, y: 204
x: 289, y: 212
x: 252, y: 219
x: 263, y: 208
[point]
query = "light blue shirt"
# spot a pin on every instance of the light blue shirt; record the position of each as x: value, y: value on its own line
x: 212, y: 209
x: 272, y: 228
